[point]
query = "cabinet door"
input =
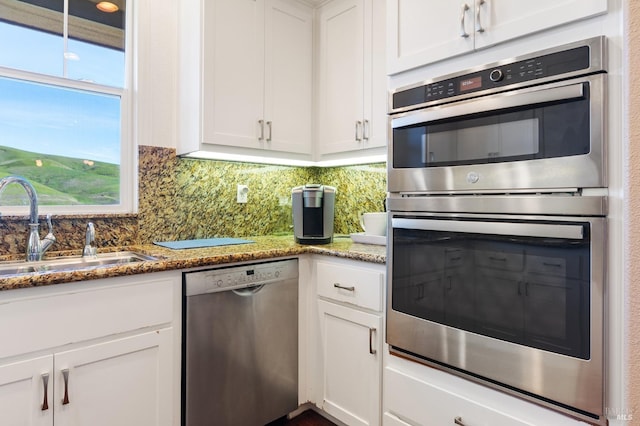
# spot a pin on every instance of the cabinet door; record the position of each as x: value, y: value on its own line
x: 24, y: 390
x: 506, y: 19
x: 341, y: 74
x: 351, y: 345
x: 288, y: 76
x: 125, y: 382
x: 233, y: 72
x: 376, y: 96
x: 500, y: 305
x: 425, y: 31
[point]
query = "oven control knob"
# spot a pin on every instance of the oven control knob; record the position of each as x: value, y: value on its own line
x: 496, y: 75
x: 473, y: 177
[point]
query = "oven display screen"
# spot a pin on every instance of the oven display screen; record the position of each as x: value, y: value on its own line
x: 470, y: 83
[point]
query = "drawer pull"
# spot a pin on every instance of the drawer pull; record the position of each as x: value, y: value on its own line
x: 498, y: 259
x: 371, y: 350
x: 458, y: 421
x: 337, y: 285
x: 45, y: 385
x: 555, y: 265
x: 65, y: 376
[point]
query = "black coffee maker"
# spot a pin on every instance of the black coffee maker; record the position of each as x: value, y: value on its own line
x: 313, y: 213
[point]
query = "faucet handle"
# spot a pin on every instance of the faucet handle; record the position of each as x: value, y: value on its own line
x: 49, y: 239
x: 90, y: 236
x: 49, y: 224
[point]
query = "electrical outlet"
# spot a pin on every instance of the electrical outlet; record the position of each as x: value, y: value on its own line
x: 241, y: 194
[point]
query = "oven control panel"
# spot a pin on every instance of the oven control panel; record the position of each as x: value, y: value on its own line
x: 499, y: 75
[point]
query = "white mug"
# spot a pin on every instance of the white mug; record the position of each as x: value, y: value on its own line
x: 374, y: 223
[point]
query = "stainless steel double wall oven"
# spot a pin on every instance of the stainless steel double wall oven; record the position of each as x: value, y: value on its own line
x: 497, y: 252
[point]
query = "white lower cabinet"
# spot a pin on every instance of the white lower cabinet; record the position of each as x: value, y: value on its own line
x: 351, y: 348
x: 25, y: 398
x: 349, y: 341
x: 123, y: 371
x: 121, y: 382
x: 415, y: 394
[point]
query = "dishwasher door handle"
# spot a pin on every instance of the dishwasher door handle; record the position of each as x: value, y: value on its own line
x: 248, y: 291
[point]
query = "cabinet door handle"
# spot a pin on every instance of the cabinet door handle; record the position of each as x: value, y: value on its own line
x: 371, y: 350
x: 65, y: 376
x: 45, y: 386
x: 270, y: 129
x: 463, y: 14
x: 261, y: 124
x: 479, y: 27
x: 358, y: 127
x: 365, y: 130
x: 336, y: 285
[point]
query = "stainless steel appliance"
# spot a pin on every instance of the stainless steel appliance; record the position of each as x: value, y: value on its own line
x: 497, y: 228
x: 313, y: 213
x: 535, y: 121
x: 240, y: 344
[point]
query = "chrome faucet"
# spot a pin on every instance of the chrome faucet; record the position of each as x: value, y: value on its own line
x: 35, y: 246
x: 90, y: 239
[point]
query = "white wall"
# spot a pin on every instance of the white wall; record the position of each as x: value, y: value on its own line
x: 632, y: 258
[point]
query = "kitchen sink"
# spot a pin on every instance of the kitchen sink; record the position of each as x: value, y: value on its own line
x: 73, y: 263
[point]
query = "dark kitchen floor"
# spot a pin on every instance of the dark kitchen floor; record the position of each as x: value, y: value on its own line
x: 308, y: 418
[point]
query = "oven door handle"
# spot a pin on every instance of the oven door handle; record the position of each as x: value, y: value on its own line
x: 518, y: 98
x: 573, y: 232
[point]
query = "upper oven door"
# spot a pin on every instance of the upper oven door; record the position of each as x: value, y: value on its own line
x: 547, y: 137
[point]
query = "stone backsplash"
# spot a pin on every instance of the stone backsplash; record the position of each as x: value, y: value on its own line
x: 187, y: 198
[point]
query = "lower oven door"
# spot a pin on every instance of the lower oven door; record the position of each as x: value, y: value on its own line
x: 510, y: 300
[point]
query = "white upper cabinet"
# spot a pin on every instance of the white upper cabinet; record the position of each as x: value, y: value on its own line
x: 425, y: 31
x: 288, y: 77
x: 352, y: 87
x: 233, y: 72
x: 245, y: 76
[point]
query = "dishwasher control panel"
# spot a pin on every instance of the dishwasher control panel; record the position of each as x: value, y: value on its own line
x: 236, y: 277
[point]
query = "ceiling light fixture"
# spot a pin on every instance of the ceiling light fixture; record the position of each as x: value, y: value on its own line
x: 107, y: 6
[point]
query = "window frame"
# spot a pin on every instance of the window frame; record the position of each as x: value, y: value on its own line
x: 128, y: 145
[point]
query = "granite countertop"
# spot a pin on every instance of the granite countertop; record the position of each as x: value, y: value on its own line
x: 263, y: 247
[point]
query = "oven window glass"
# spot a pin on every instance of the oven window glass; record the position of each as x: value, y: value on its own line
x: 526, y: 290
x: 551, y: 130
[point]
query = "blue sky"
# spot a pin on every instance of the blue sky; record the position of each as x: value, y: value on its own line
x: 52, y: 120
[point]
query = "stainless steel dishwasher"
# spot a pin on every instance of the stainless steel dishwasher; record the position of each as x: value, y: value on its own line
x: 240, y: 344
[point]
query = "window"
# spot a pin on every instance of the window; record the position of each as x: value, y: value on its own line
x: 64, y: 104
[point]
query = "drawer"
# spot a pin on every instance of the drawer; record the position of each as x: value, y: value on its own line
x: 420, y: 395
x: 389, y: 419
x: 455, y: 257
x: 557, y: 266
x: 500, y: 260
x: 58, y: 315
x: 350, y: 284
